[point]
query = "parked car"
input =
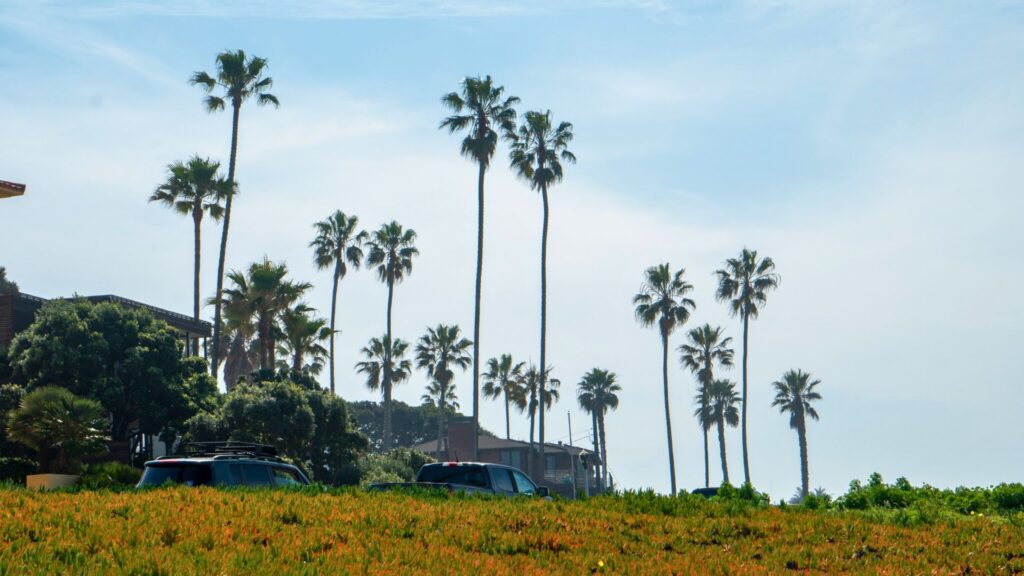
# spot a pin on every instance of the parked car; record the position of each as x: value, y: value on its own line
x: 706, y: 492
x: 473, y: 478
x: 223, y: 464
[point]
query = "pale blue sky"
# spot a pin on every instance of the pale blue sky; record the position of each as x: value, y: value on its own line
x: 871, y: 148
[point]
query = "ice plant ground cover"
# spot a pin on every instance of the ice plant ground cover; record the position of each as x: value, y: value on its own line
x: 207, y: 531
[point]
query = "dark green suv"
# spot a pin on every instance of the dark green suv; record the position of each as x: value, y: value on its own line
x: 223, y: 464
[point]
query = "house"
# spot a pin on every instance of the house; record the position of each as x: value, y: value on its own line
x: 570, y: 470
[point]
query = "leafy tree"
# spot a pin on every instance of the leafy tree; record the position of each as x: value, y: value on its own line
x: 538, y: 150
x: 719, y: 409
x: 336, y: 444
x: 391, y: 251
x: 7, y: 285
x: 275, y: 413
x: 241, y: 78
x: 302, y: 337
x: 706, y: 347
x: 194, y: 189
x: 10, y: 398
x: 439, y: 352
x: 662, y: 300
x: 122, y: 357
x: 260, y: 297
x: 337, y: 245
x: 411, y: 425
x: 504, y: 379
x: 398, y: 465
x: 384, y: 367
x: 597, y: 394
x: 62, y: 428
x: 745, y: 283
x: 794, y: 395
x: 478, y: 108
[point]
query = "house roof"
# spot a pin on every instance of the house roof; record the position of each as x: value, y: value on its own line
x: 495, y: 443
x: 179, y: 322
x: 8, y: 189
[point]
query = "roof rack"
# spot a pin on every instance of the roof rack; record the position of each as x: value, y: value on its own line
x: 229, y: 449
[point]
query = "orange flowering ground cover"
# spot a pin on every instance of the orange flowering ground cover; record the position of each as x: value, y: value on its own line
x: 207, y: 531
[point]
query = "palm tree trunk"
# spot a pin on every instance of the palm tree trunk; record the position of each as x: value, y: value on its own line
x: 476, y: 315
x: 297, y: 360
x: 746, y: 461
x: 508, y: 424
x: 721, y: 449
x: 197, y: 218
x: 543, y: 326
x: 604, y: 447
x: 387, y: 365
x: 597, y: 443
x: 707, y: 463
x: 264, y: 327
x: 531, y: 460
x: 805, y: 480
x: 440, y: 424
x: 215, y: 353
x: 668, y: 416
x: 334, y: 308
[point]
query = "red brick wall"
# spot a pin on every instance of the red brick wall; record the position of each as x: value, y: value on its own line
x: 460, y: 440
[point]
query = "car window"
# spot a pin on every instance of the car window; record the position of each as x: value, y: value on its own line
x: 502, y: 480
x: 523, y: 484
x: 176, y: 473
x: 464, y: 475
x: 256, y: 475
x: 285, y: 477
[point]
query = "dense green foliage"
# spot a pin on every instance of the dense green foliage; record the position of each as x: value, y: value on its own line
x: 15, y: 468
x: 107, y: 475
x: 59, y: 427
x: 411, y: 425
x: 1005, y: 499
x: 398, y: 465
x: 6, y: 285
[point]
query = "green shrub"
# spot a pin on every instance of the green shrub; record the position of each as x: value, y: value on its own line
x: 14, y: 470
x: 1009, y: 497
x: 109, y: 475
x: 744, y: 495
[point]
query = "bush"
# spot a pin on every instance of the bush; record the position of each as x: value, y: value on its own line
x: 398, y: 465
x: 744, y: 495
x: 15, y: 469
x: 109, y: 475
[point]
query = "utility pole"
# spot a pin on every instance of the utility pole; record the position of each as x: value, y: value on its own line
x: 572, y: 459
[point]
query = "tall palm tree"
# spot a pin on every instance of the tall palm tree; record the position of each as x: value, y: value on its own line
x: 337, y: 245
x: 241, y: 78
x: 478, y: 108
x: 504, y: 379
x: 662, y: 300
x: 194, y: 189
x: 262, y: 294
x: 745, y: 283
x: 384, y: 367
x: 705, y: 348
x: 440, y: 351
x: 239, y: 347
x: 538, y: 150
x: 597, y: 394
x: 717, y: 408
x: 446, y: 401
x: 302, y: 337
x: 539, y: 397
x: 794, y: 394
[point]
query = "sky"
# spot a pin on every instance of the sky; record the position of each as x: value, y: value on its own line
x: 872, y: 149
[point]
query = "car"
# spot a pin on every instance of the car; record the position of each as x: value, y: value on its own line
x: 472, y: 478
x: 223, y: 464
x: 705, y: 492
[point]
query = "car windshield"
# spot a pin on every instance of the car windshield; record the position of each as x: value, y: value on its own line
x: 176, y: 473
x: 462, y: 475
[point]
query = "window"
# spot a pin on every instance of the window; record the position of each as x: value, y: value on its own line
x: 285, y: 477
x: 255, y: 475
x: 513, y: 458
x: 502, y: 480
x: 523, y: 484
x: 554, y: 462
x: 188, y: 474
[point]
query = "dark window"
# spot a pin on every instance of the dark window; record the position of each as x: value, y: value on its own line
x: 523, y: 484
x: 513, y: 458
x: 188, y: 474
x: 256, y: 475
x: 555, y: 462
x: 286, y: 477
x: 502, y: 480
x: 463, y: 475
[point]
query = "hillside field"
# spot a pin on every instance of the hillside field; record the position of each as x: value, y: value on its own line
x: 207, y: 531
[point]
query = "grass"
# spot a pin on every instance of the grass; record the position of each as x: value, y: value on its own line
x: 206, y: 531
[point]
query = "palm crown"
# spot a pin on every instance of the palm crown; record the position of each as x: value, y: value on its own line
x: 662, y: 299
x: 479, y: 107
x: 380, y: 358
x: 193, y: 188
x: 722, y: 403
x: 504, y: 377
x: 240, y: 77
x: 443, y: 398
x: 705, y: 348
x: 338, y: 243
x: 794, y: 394
x: 745, y: 283
x: 442, y: 349
x: 597, y: 391
x: 302, y: 336
x: 539, y: 148
x: 550, y: 393
x: 391, y: 250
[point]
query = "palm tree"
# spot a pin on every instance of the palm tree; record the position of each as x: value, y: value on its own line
x: 717, y: 407
x: 194, y: 189
x: 538, y: 150
x: 241, y: 79
x: 62, y: 428
x: 538, y: 396
x: 261, y: 295
x: 384, y: 367
x: 745, y: 283
x: 662, y: 300
x: 596, y: 394
x: 302, y: 336
x: 446, y: 401
x: 705, y: 348
x: 439, y: 351
x: 505, y: 379
x: 794, y: 394
x: 239, y: 347
x: 337, y: 244
x: 478, y: 108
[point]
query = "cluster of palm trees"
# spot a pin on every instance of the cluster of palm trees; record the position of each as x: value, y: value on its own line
x: 744, y: 284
